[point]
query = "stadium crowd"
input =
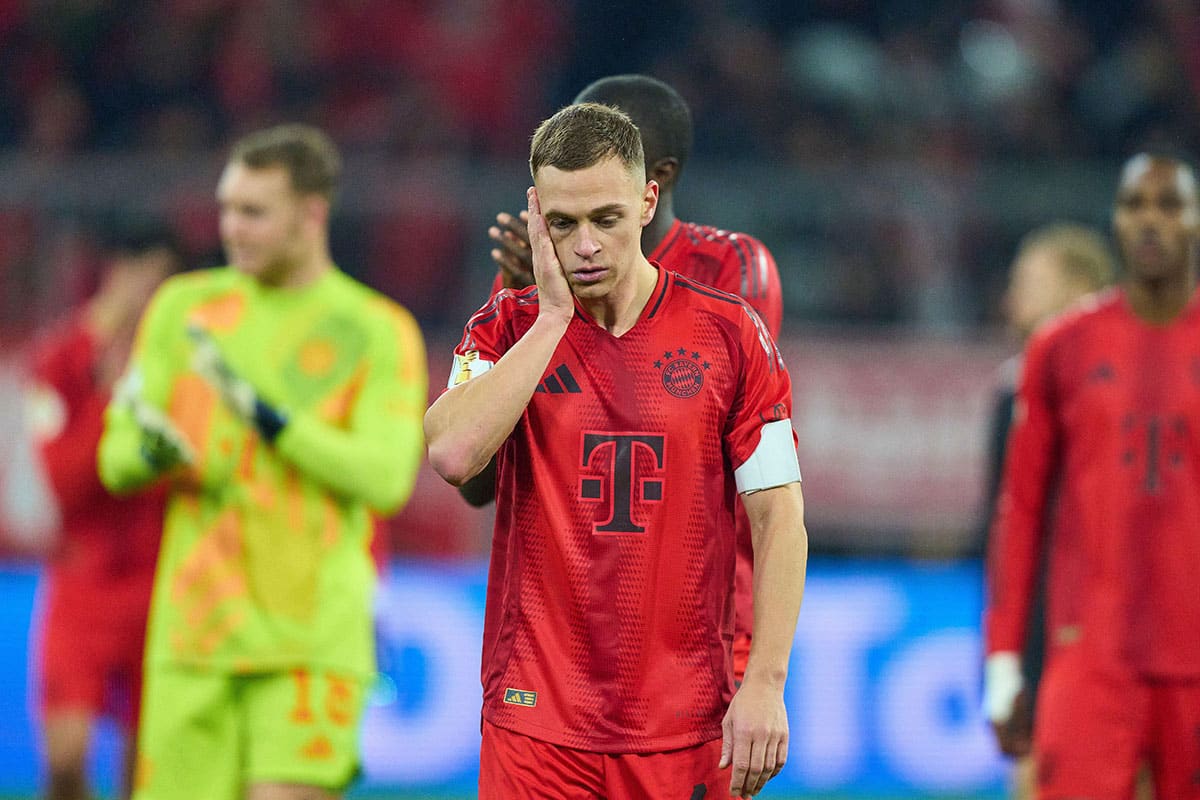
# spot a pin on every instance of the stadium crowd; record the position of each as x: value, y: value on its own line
x: 972, y: 120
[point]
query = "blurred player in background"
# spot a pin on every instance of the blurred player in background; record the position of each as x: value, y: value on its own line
x: 1107, y: 422
x: 732, y: 262
x: 282, y: 401
x: 1055, y: 266
x: 97, y: 581
x: 626, y: 406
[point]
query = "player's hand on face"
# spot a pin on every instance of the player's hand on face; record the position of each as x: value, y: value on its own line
x: 554, y: 293
x: 1015, y: 734
x: 512, y: 254
x: 754, y: 738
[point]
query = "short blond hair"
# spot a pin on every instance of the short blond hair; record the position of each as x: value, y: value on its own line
x: 1083, y: 253
x: 584, y: 134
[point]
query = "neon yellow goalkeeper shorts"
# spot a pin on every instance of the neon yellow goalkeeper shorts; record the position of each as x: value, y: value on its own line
x: 209, y: 735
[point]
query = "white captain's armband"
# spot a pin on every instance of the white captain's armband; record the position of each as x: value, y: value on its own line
x: 468, y: 365
x: 773, y: 463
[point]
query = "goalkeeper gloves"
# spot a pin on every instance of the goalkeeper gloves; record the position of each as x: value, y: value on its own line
x: 162, y: 445
x: 238, y: 394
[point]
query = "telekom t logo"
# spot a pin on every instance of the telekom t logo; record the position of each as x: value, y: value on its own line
x: 622, y: 480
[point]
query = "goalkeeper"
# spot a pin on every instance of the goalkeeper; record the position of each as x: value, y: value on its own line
x: 282, y: 401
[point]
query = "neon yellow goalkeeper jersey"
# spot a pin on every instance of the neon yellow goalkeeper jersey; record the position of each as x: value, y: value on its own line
x: 265, y: 560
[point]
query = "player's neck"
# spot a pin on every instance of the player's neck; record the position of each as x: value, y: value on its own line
x: 619, y: 310
x: 656, y: 231
x: 303, y: 272
x: 1160, y: 301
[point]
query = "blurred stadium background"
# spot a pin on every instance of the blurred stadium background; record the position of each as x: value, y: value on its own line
x: 889, y: 152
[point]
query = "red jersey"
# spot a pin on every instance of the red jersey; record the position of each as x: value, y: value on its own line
x: 741, y: 265
x: 104, y: 565
x: 732, y: 262
x: 609, y: 610
x: 1109, y: 407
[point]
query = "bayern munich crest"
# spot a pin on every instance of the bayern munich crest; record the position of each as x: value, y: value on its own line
x: 682, y: 371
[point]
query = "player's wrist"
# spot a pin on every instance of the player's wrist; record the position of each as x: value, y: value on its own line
x: 269, y: 420
x: 767, y: 676
x: 553, y: 321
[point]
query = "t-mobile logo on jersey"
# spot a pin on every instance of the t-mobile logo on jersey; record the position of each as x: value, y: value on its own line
x: 618, y: 453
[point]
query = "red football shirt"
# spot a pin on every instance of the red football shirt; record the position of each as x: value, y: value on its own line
x: 609, y: 612
x: 729, y: 261
x: 103, y: 568
x: 1109, y: 407
x: 742, y: 265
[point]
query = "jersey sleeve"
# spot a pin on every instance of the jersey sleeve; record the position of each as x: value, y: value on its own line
x: 484, y: 338
x: 1014, y: 548
x: 760, y: 439
x: 65, y: 412
x: 760, y: 284
x: 376, y: 458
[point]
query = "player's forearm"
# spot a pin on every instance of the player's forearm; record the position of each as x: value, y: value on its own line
x: 377, y: 467
x: 780, y: 561
x: 1015, y: 544
x: 466, y: 425
x: 1012, y: 557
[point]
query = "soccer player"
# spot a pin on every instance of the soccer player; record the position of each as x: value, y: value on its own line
x: 626, y: 406
x: 282, y: 402
x: 1108, y: 410
x: 732, y: 262
x: 1055, y: 266
x: 96, y: 583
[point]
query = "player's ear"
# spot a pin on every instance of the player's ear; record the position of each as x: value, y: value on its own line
x: 665, y: 171
x: 649, y: 202
x: 316, y: 210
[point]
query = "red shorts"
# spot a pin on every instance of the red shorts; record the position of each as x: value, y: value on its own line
x: 1096, y: 726
x: 512, y: 765
x: 97, y: 668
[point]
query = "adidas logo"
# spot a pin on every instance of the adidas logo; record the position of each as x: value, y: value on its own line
x: 559, y: 382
